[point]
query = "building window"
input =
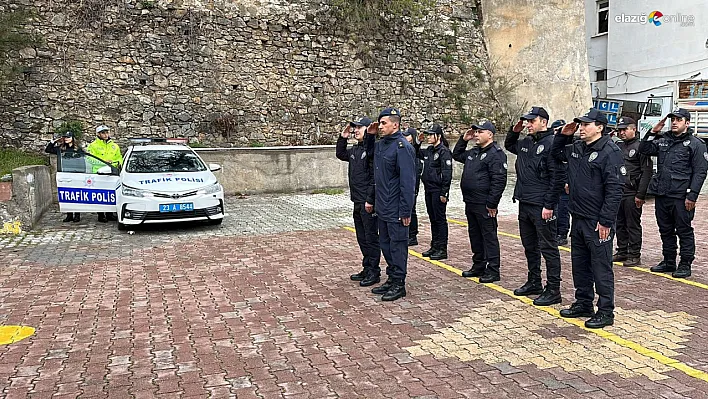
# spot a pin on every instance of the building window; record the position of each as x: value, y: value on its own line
x: 603, y: 14
x: 601, y: 75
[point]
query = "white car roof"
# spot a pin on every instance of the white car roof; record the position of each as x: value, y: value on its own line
x: 160, y: 147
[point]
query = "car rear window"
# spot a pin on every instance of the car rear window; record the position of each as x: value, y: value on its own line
x: 164, y: 161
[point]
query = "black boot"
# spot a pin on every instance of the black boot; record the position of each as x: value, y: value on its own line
x: 683, y: 271
x: 412, y: 241
x: 370, y: 279
x: 439, y: 254
x: 397, y: 290
x: 619, y: 256
x: 489, y: 277
x: 77, y: 217
x: 577, y: 310
x: 550, y: 296
x: 359, y: 276
x: 102, y: 217
x: 69, y: 217
x: 429, y: 252
x: 476, y: 271
x: 665, y: 266
x: 600, y: 319
x: 383, y: 288
x: 529, y: 288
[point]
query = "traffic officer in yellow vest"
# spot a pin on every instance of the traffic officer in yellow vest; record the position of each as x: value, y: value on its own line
x: 105, y: 149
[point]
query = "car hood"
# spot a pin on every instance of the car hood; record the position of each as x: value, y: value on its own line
x: 169, y: 182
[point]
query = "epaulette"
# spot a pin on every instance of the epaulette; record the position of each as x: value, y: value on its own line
x: 400, y: 144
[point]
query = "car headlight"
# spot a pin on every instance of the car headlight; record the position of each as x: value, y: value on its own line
x: 213, y: 189
x: 134, y: 192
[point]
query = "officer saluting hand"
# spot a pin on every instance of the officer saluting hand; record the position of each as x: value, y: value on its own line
x: 681, y: 170
x: 595, y: 176
x: 394, y: 179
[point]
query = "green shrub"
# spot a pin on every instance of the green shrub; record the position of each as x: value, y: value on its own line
x: 75, y: 127
x: 11, y: 158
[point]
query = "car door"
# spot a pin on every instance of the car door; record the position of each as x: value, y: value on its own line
x: 86, y: 183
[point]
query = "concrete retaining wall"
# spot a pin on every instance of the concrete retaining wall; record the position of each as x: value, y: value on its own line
x: 32, y: 195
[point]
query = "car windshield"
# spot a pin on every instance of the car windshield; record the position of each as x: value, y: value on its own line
x: 164, y: 161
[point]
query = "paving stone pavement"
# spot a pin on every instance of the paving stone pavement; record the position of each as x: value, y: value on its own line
x: 262, y: 307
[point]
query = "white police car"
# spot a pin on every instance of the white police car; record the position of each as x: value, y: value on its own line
x: 162, y: 180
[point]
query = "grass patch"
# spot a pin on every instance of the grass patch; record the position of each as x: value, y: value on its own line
x: 328, y: 191
x: 11, y: 158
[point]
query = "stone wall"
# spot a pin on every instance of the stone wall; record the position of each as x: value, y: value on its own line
x: 231, y: 72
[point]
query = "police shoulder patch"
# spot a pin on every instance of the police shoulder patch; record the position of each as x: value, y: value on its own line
x: 623, y: 170
x: 506, y: 166
x: 448, y: 162
x: 540, y: 149
x: 705, y: 155
x: 686, y: 143
x: 436, y: 156
x: 363, y: 155
x: 593, y: 156
x: 483, y: 156
x: 632, y: 152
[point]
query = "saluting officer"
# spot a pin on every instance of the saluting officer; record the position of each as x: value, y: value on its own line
x: 482, y: 184
x: 394, y: 177
x: 361, y: 188
x: 412, y: 136
x: 562, y: 214
x: 595, y: 175
x: 681, y: 171
x: 539, y: 181
x: 629, y: 219
x: 436, y: 177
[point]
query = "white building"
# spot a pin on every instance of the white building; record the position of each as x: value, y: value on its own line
x: 637, y: 49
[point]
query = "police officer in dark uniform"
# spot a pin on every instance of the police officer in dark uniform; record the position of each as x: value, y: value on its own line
x: 412, y: 136
x: 682, y: 164
x: 562, y: 212
x: 483, y: 182
x: 394, y: 177
x: 596, y: 176
x: 437, y: 177
x: 361, y: 187
x: 629, y: 219
x: 539, y: 181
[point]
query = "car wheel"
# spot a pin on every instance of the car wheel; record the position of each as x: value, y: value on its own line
x: 215, y: 222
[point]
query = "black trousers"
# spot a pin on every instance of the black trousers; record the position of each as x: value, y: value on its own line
x: 629, y: 228
x: 413, y: 227
x: 674, y: 220
x: 437, y: 212
x: 367, y: 235
x: 393, y: 238
x: 592, y: 265
x: 484, y: 241
x: 563, y: 215
x: 538, y: 237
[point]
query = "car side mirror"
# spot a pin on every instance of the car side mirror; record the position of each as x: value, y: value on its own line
x: 107, y: 170
x: 214, y: 167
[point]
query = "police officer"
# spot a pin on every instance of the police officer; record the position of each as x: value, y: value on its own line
x: 681, y: 171
x: 483, y: 182
x: 539, y: 182
x: 412, y: 136
x: 361, y: 188
x: 562, y: 212
x: 595, y: 175
x: 629, y: 219
x: 394, y: 178
x: 105, y: 149
x: 437, y: 176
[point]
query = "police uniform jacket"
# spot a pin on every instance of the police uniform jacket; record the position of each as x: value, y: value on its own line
x: 437, y: 169
x: 540, y: 177
x: 394, y: 177
x: 639, y: 169
x: 361, y: 167
x: 484, y: 174
x: 682, y: 165
x: 596, y: 175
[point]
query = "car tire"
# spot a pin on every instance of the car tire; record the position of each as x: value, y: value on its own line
x: 215, y: 222
x: 122, y: 226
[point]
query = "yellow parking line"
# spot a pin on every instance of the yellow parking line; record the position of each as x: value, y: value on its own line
x: 637, y: 268
x: 665, y: 360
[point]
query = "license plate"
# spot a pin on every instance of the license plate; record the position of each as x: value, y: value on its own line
x: 164, y: 208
